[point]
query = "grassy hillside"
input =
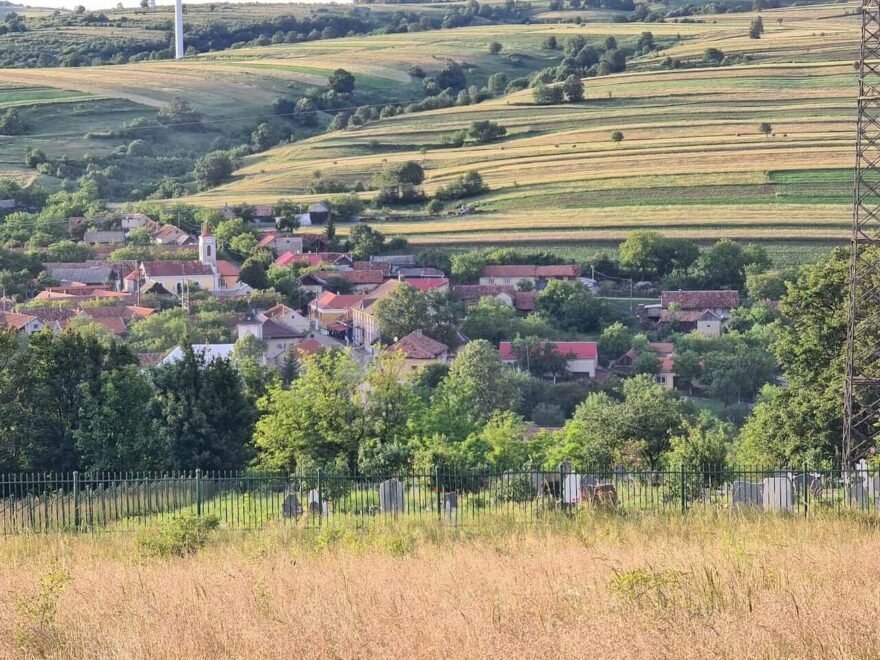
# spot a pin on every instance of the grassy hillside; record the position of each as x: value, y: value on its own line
x: 235, y: 88
x: 693, y: 160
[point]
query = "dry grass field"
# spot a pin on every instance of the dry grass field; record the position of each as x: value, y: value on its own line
x: 597, y: 587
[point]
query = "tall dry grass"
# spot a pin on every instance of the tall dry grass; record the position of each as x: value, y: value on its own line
x: 594, y: 587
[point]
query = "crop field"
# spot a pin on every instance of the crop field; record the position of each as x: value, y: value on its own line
x: 617, y: 586
x: 692, y: 162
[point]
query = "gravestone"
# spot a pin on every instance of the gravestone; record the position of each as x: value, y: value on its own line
x: 314, y: 502
x: 291, y: 508
x: 778, y: 494
x: 858, y: 495
x: 391, y: 496
x: 748, y: 493
x: 450, y: 504
x: 571, y: 488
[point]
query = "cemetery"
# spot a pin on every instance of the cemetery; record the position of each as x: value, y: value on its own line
x: 249, y: 501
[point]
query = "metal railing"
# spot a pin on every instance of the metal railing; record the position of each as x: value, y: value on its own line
x: 244, y: 500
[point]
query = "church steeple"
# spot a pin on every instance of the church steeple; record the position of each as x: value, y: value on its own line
x: 207, y: 246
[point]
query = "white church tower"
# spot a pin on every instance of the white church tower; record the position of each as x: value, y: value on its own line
x: 208, y: 252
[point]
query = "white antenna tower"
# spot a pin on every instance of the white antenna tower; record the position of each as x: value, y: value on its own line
x: 178, y: 29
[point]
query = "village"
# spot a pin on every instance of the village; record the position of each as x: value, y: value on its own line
x: 338, y: 298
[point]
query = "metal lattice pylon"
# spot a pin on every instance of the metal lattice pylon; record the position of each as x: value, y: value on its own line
x: 862, y: 386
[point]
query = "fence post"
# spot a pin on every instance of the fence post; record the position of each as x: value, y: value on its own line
x: 681, y: 478
x: 439, y: 496
x: 76, y: 516
x: 805, y: 487
x: 320, y: 498
x: 199, y: 492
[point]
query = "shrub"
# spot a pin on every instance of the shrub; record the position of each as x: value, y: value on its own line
x: 467, y: 185
x: 178, y: 536
x: 547, y: 94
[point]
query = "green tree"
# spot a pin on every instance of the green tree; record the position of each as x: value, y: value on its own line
x: 547, y: 94
x: 571, y: 306
x: 347, y: 205
x: 484, y: 131
x: 179, y: 114
x: 117, y: 430
x: 495, y: 47
x: 688, y: 367
x: 477, y: 386
x: 317, y: 420
x: 68, y: 251
x: 766, y: 128
x: 212, y: 169
x: 489, y: 319
x: 203, y: 414
x: 713, y: 56
x: 341, y: 81
x: 404, y: 310
x: 756, y: 28
x: 467, y: 185
x: 264, y: 137
x: 614, y: 341
x: 365, y: 241
x: 497, y: 83
x: 388, y: 406
x: 617, y: 137
x: 573, y: 89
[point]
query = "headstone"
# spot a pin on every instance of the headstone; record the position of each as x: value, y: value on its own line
x: 605, y: 496
x: 314, y: 501
x: 391, y: 496
x: 858, y: 495
x: 747, y: 493
x: 778, y: 494
x: 571, y: 488
x: 291, y: 508
x: 450, y: 504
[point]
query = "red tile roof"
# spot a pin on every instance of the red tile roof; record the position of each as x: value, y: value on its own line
x: 428, y: 283
x: 579, y: 350
x: 662, y: 347
x: 524, y: 301
x: 312, y: 258
x: 692, y: 300
x: 330, y: 300
x: 417, y: 346
x: 309, y: 347
x: 168, y: 268
x: 14, y: 320
x: 384, y: 266
x: 530, y: 270
x: 354, y: 277
x: 686, y: 316
x: 227, y: 269
x: 474, y: 292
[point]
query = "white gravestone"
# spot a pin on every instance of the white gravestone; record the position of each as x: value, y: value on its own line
x: 748, y: 493
x: 778, y: 494
x: 391, y: 496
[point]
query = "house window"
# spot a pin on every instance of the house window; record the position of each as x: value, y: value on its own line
x: 660, y: 379
x: 507, y: 280
x: 208, y: 248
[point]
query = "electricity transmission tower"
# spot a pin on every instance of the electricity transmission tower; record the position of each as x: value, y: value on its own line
x: 861, y: 424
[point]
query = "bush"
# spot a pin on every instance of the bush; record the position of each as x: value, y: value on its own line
x: 179, y: 536
x: 467, y: 185
x: 547, y: 94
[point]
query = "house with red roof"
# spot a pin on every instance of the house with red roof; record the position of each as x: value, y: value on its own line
x: 425, y: 284
x: 23, y: 324
x: 328, y: 311
x: 471, y: 294
x: 537, y: 276
x: 360, y: 281
x: 338, y: 260
x: 418, y: 350
x: 665, y: 374
x: 582, y: 356
x: 280, y: 242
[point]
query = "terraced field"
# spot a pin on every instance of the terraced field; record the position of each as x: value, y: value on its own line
x: 693, y: 161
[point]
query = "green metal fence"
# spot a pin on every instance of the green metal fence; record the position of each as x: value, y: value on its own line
x: 119, y: 501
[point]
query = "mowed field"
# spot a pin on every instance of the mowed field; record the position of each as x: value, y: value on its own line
x: 593, y: 586
x: 693, y: 161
